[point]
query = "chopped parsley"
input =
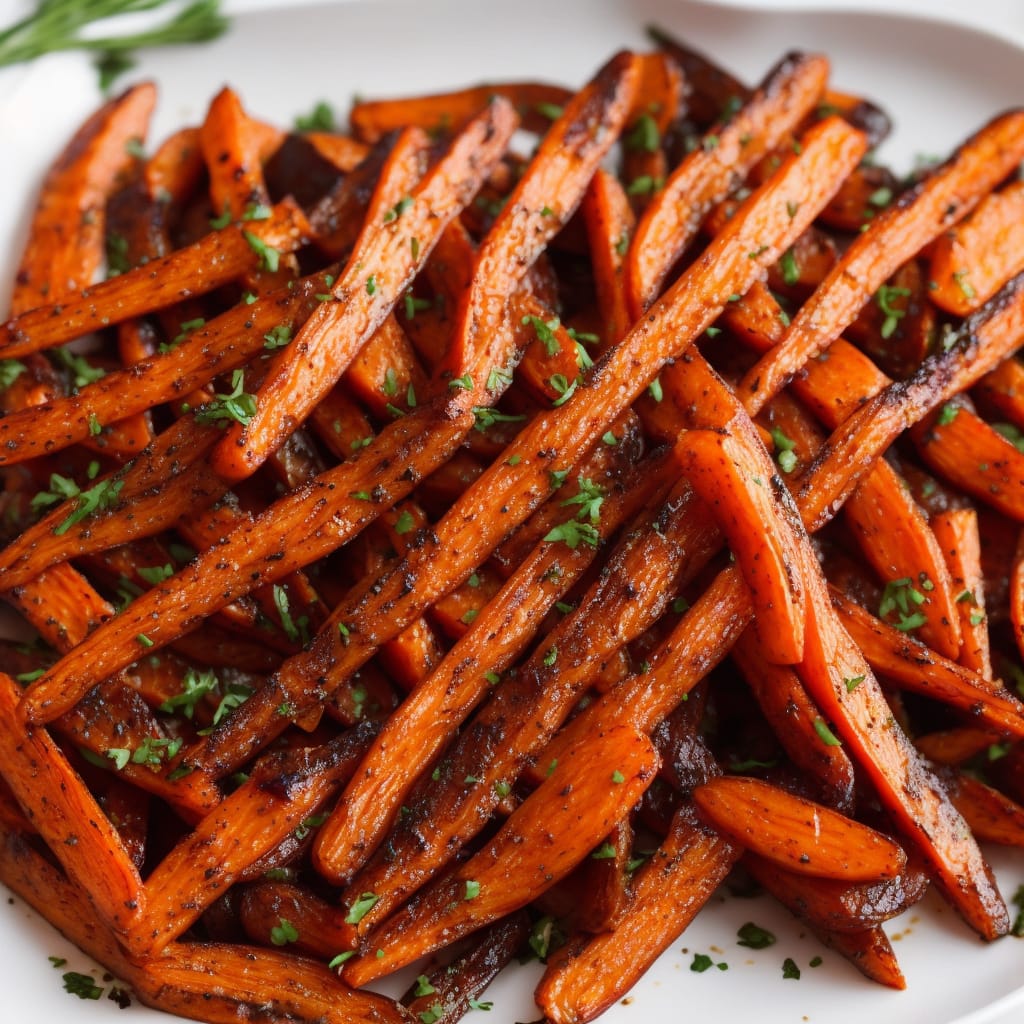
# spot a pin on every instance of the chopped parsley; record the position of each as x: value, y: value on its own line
x: 269, y: 257
x: 893, y: 314
x: 320, y: 119
x: 361, y: 907
x: 283, y: 932
x: 82, y: 985
x: 237, y: 406
x: 753, y: 936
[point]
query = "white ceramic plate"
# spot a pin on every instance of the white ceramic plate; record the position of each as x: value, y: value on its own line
x: 939, y: 83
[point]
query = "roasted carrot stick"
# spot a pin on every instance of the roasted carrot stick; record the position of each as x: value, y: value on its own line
x: 320, y: 928
x: 286, y: 790
x: 450, y: 112
x: 670, y: 889
x: 74, y: 827
x: 972, y: 261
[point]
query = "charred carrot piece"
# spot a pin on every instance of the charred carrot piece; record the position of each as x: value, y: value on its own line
x: 973, y: 456
x: 345, y: 152
x: 702, y: 638
x: 954, y: 746
x: 836, y: 905
x: 889, y: 524
x: 656, y: 109
x: 972, y: 261
x: 787, y: 705
x: 705, y: 177
x: 1017, y: 593
x: 590, y: 975
x: 94, y: 857
x: 610, y: 221
x: 389, y: 252
x: 50, y: 892
x: 284, y: 987
x: 449, y: 112
x: 66, y: 235
x: 1001, y: 392
x: 797, y: 834
x: 320, y: 927
x: 584, y: 797
x: 454, y: 986
x: 286, y: 790
x: 870, y: 951
x: 892, y: 237
x: 956, y: 531
x: 993, y: 817
x: 734, y: 476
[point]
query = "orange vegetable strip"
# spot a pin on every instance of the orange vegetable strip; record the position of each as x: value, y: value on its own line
x: 415, y: 732
x: 382, y: 264
x: 609, y: 221
x: 214, y: 260
x: 707, y: 175
x: 231, y: 152
x: 892, y: 237
x: 683, y: 874
x: 735, y: 477
x: 699, y: 642
x: 893, y: 531
x: 795, y: 833
x: 59, y: 805
x: 579, y: 803
x: 993, y: 817
x: 449, y: 112
x: 1002, y: 390
x: 869, y: 951
x: 285, y: 790
x: 956, y: 530
x: 174, y: 171
x: 837, y: 905
x: 985, y: 340
x: 66, y: 234
x: 220, y: 984
x: 909, y: 664
x: 322, y: 929
x: 972, y: 456
x: 343, y: 151
x: 49, y: 892
x: 913, y: 797
x: 954, y: 746
x: 971, y: 262
x: 792, y: 714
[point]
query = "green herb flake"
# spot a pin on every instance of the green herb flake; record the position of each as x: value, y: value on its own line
x: 701, y: 963
x: 606, y: 851
x: 573, y: 533
x: 852, y: 683
x: 753, y: 936
x: 423, y: 987
x: 790, y: 969
x: 893, y: 314
x: 320, y: 119
x: 283, y: 932
x: 472, y: 890
x: 361, y: 907
x: 644, y: 136
x: 476, y: 1004
x: 238, y: 406
x: 947, y: 414
x: 617, y: 777
x: 277, y: 337
x: 341, y: 958
x: 825, y: 734
x: 82, y: 985
x: 269, y: 257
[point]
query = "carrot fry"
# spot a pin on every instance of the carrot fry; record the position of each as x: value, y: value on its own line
x: 735, y: 477
x: 320, y: 927
x: 789, y: 91
x: 287, y: 789
x: 869, y: 951
x: 836, y: 905
x: 94, y: 856
x: 795, y: 833
x: 450, y: 112
x: 585, y: 795
x: 671, y: 887
x: 956, y: 531
x: 993, y: 817
x: 217, y: 984
x: 972, y: 261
